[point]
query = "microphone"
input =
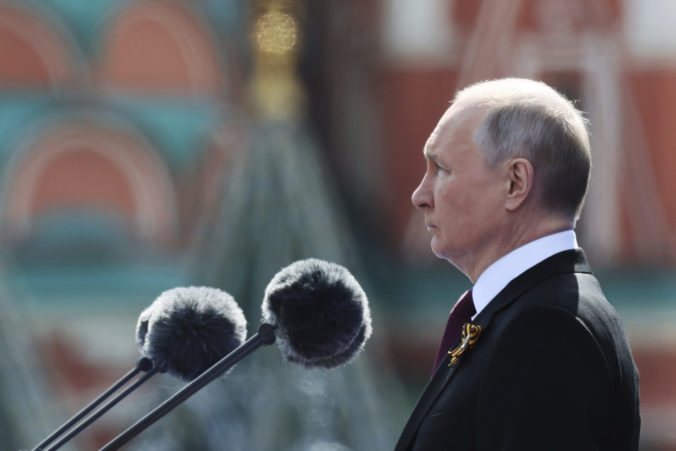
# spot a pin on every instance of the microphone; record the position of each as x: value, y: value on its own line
x: 183, y: 332
x: 186, y: 330
x: 315, y: 310
x: 320, y: 311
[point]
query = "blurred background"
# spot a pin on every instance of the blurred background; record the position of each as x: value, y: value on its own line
x: 149, y: 144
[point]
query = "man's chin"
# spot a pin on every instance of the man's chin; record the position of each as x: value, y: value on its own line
x: 436, y: 249
x: 442, y: 253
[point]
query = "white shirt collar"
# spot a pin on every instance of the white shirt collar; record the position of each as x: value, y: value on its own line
x: 507, y: 268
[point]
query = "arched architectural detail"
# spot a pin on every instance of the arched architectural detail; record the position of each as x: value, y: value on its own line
x: 160, y: 47
x: 40, y: 51
x: 91, y: 165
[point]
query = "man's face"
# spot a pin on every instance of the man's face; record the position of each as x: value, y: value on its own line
x: 461, y: 197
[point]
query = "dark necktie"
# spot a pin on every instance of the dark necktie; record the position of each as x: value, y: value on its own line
x: 461, y: 313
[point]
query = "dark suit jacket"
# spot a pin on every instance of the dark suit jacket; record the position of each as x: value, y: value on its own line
x: 551, y: 370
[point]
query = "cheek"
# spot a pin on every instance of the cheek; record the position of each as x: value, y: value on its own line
x: 465, y: 212
x: 455, y: 219
x: 455, y: 205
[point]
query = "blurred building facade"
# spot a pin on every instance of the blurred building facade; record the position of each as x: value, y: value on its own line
x: 120, y: 122
x: 116, y: 120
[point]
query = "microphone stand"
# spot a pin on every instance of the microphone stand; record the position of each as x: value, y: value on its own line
x: 144, y: 364
x: 265, y: 336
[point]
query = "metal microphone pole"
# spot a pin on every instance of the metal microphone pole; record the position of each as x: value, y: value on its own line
x: 265, y: 336
x: 144, y: 364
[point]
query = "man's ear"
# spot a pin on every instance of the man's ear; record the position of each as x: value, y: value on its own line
x: 519, y: 182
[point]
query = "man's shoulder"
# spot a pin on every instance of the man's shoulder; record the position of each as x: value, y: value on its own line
x: 569, y: 305
x: 578, y: 294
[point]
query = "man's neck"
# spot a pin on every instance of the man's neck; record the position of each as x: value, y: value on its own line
x: 507, y: 268
x: 519, y: 236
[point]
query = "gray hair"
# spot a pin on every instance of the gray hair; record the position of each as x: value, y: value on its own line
x: 528, y: 119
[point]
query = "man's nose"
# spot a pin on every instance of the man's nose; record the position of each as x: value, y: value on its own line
x: 422, y: 196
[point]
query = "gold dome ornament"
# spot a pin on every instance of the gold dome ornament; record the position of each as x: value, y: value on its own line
x: 277, y: 38
x: 470, y: 335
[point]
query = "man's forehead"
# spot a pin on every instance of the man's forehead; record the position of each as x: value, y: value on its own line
x: 433, y: 145
x: 432, y: 139
x: 453, y: 117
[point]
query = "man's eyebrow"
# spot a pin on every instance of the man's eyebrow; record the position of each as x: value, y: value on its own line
x: 429, y: 155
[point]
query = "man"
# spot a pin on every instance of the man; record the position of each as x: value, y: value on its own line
x: 542, y: 362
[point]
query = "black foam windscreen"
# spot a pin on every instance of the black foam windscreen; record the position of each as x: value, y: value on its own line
x: 320, y: 311
x: 188, y: 329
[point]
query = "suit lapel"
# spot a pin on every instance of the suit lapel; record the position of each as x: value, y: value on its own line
x: 442, y: 376
x: 567, y: 261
